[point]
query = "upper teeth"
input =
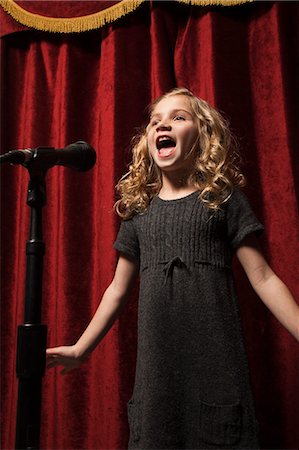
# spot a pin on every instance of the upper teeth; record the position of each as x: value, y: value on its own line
x: 164, y: 141
x: 164, y: 138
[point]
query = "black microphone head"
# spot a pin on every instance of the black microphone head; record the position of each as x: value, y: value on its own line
x: 83, y: 156
x: 16, y: 156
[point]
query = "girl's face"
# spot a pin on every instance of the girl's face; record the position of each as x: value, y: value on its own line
x: 171, y: 133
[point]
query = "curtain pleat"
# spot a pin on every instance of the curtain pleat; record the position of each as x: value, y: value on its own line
x: 57, y: 89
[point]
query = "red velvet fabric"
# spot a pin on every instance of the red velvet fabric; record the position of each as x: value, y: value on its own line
x: 65, y: 8
x: 57, y: 89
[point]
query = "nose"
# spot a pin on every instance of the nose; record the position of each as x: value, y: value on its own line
x: 163, y: 125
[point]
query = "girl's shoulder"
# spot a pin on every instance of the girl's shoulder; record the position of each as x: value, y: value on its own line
x: 238, y: 199
x: 241, y: 218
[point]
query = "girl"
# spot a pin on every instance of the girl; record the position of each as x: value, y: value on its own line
x: 184, y: 218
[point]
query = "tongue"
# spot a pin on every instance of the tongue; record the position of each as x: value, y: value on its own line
x: 166, y: 151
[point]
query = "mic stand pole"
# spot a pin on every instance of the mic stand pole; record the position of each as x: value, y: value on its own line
x: 32, y: 335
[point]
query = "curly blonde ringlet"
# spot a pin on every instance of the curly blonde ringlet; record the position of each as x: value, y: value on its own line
x: 215, y: 169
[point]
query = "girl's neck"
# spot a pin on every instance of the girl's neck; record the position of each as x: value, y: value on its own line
x: 174, y: 187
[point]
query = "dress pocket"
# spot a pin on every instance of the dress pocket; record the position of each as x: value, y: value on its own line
x: 134, y: 421
x: 220, y: 424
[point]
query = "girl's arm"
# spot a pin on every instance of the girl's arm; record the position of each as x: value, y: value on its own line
x: 272, y: 291
x: 108, y: 310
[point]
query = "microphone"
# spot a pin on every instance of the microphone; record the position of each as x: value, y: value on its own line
x: 79, y: 156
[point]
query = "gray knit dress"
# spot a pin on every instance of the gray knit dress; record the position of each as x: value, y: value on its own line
x: 192, y: 387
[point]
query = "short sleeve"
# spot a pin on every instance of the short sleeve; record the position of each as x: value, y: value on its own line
x: 127, y: 240
x: 241, y: 220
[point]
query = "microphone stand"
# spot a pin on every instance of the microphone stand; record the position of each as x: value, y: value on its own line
x: 32, y: 335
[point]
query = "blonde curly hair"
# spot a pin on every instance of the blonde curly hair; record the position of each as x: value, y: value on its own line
x: 215, y: 170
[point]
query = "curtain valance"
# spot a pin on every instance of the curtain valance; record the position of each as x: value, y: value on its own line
x: 78, y: 16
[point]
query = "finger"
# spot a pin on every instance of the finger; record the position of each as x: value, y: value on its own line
x: 66, y: 370
x: 52, y: 359
x: 53, y: 351
x: 52, y: 364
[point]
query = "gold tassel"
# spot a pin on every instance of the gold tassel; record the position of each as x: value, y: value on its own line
x: 70, y: 25
x: 91, y: 21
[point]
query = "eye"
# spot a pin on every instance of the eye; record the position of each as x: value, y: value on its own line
x: 154, y: 122
x: 179, y: 117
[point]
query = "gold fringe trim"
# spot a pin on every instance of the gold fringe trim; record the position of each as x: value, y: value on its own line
x: 91, y: 21
x: 73, y: 24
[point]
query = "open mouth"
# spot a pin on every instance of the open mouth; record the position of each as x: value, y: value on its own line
x: 165, y: 146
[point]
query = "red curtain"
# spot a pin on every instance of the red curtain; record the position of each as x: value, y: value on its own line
x: 94, y: 86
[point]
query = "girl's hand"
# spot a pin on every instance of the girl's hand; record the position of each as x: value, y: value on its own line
x: 66, y: 356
